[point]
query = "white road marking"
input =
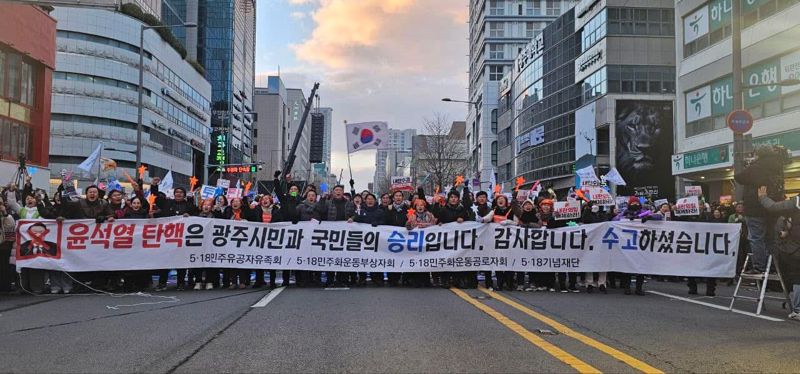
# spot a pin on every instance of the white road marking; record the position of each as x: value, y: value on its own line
x: 715, y: 306
x: 269, y: 297
x: 337, y: 288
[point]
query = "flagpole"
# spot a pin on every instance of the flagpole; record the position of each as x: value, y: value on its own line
x: 349, y: 168
x: 99, y: 162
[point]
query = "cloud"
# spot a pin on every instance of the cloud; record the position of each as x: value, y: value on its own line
x: 301, y: 2
x: 388, y: 60
x: 297, y: 15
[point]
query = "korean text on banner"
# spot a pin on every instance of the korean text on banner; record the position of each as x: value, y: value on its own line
x: 601, y: 197
x: 664, y: 247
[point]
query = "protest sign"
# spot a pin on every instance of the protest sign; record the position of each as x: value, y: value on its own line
x: 224, y: 183
x: 601, y: 197
x: 565, y: 210
x: 233, y: 193
x: 687, y: 206
x: 400, y: 183
x: 207, y: 191
x: 693, y: 190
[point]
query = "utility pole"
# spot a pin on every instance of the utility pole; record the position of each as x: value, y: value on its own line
x: 736, y: 58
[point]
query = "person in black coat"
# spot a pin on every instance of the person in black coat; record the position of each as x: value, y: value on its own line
x: 177, y: 206
x: 395, y: 215
x: 371, y: 214
x: 448, y: 212
x: 336, y: 208
x: 267, y: 212
x: 289, y: 200
x: 766, y: 170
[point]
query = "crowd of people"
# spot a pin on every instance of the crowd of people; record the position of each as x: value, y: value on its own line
x: 293, y: 205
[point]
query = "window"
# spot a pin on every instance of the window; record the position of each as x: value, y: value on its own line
x: 27, y: 88
x: 14, y: 139
x: 2, y: 73
x: 494, y: 153
x: 641, y: 79
x: 13, y: 67
x: 553, y: 8
x: 594, y: 30
x: 494, y: 121
x: 531, y: 29
x: 496, y: 73
x: 496, y: 29
x: 532, y: 8
x: 639, y: 21
x: 595, y: 85
x: 496, y: 51
x: 497, y: 8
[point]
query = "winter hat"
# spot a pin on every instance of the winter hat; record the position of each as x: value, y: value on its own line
x: 546, y: 202
x: 633, y: 200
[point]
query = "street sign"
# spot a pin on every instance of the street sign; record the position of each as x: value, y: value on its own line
x: 740, y: 121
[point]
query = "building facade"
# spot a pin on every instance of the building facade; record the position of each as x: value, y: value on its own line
x: 95, y: 98
x: 224, y: 44
x: 577, y: 94
x: 296, y: 100
x: 770, y: 54
x: 272, y: 138
x: 27, y: 60
x: 395, y: 160
x: 498, y: 31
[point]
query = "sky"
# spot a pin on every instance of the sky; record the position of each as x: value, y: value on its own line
x: 376, y: 60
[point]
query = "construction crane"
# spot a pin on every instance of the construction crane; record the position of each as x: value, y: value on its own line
x: 287, y: 167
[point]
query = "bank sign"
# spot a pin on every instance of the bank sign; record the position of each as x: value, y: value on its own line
x: 708, y: 18
x: 704, y: 159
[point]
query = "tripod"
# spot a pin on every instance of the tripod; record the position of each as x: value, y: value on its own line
x: 21, y: 174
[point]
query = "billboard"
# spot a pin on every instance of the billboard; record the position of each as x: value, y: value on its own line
x: 644, y: 147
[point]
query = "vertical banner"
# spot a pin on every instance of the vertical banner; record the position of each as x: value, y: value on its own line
x: 644, y: 147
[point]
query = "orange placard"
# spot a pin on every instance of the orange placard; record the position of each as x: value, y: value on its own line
x: 192, y: 183
x: 141, y: 171
x: 459, y: 180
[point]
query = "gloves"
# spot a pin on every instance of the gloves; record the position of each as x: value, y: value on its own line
x: 352, y: 182
x: 277, y: 174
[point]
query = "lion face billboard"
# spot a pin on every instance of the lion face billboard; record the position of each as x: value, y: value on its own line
x: 644, y: 147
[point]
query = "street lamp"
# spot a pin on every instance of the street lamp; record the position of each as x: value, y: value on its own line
x: 449, y: 100
x: 141, y: 84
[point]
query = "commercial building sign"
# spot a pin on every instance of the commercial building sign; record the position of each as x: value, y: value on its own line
x: 760, y: 74
x: 790, y: 69
x: 704, y: 159
x: 698, y: 104
x: 789, y: 140
x: 590, y: 61
x: 530, y: 139
x: 695, y: 25
x: 720, y: 13
x: 530, y: 53
x: 221, y: 142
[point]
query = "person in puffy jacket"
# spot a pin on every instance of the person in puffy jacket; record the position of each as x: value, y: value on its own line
x: 370, y: 213
x: 787, y: 254
x: 305, y: 212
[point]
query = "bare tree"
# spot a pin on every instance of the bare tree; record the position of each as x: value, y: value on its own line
x: 441, y: 153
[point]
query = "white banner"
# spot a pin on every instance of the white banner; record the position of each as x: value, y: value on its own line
x: 688, y: 206
x: 655, y: 247
x: 693, y: 190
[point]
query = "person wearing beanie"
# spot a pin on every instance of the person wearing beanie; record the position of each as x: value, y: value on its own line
x: 529, y: 218
x: 545, y: 281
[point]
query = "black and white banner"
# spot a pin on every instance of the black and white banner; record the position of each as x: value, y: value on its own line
x: 665, y: 248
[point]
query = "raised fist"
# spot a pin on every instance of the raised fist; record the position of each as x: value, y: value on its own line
x: 277, y: 174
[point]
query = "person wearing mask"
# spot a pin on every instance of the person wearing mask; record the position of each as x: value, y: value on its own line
x: 396, y: 216
x: 451, y: 211
x: 371, y: 214
x: 528, y: 218
x: 289, y: 200
x: 421, y: 219
x: 7, y: 238
x: 632, y: 212
x: 305, y: 212
x: 766, y: 170
x: 787, y: 253
x: 545, y: 281
x: 140, y: 280
x: 336, y: 208
x: 175, y: 207
x: 267, y: 212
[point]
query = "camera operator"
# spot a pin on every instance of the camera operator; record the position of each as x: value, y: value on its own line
x: 766, y: 170
x: 788, y: 249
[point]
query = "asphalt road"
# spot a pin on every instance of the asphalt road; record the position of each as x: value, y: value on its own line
x: 392, y: 330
